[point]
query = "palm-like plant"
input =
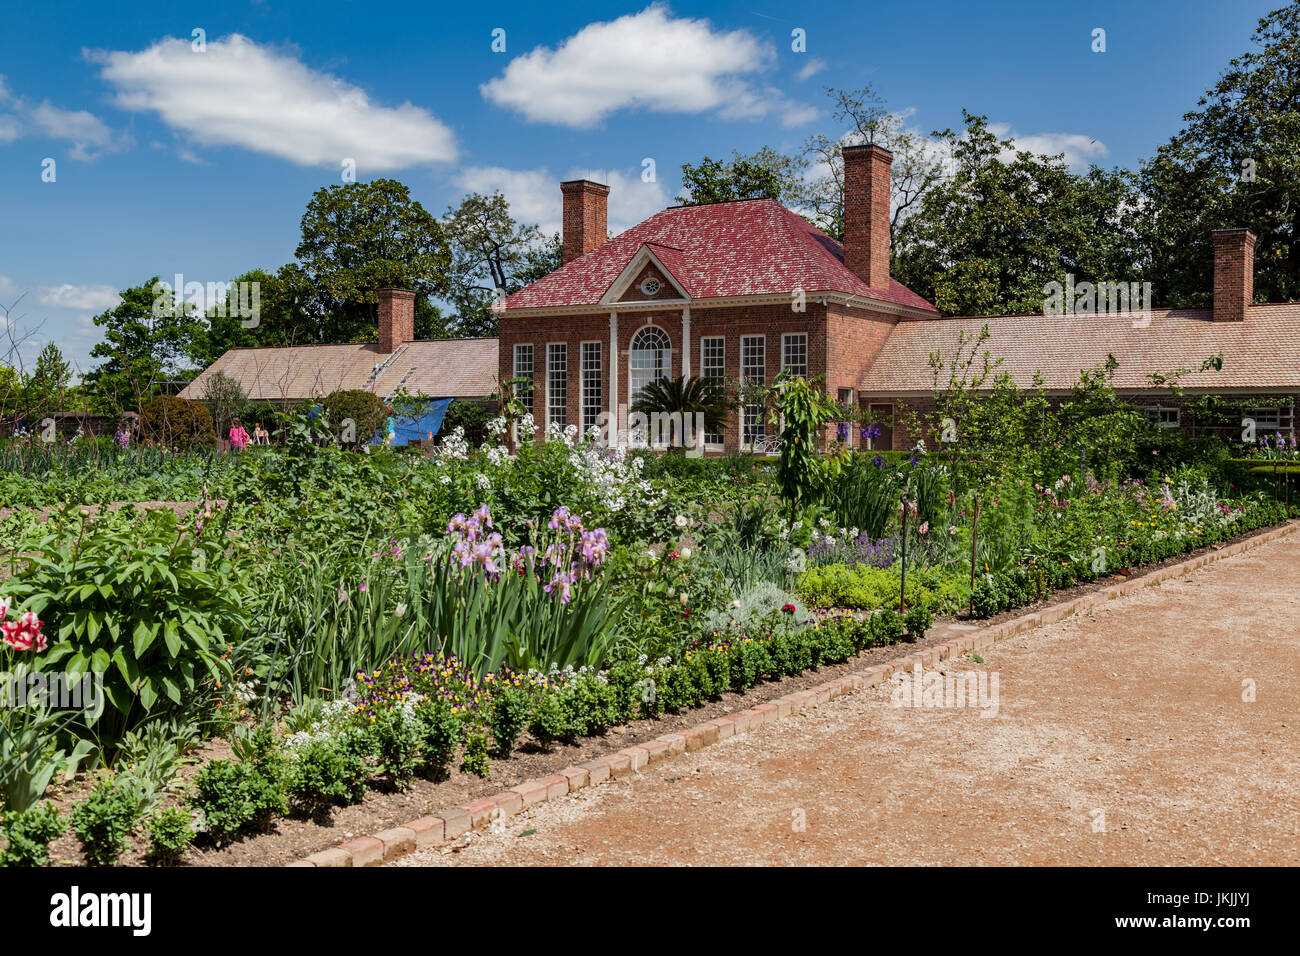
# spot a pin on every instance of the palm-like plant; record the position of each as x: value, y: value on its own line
x: 687, y: 397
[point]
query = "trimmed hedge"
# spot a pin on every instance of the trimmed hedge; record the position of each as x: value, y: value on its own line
x: 366, y: 410
x: 1001, y: 591
x: 177, y: 422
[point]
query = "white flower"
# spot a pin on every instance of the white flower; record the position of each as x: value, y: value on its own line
x: 684, y: 597
x: 686, y: 552
x: 680, y: 521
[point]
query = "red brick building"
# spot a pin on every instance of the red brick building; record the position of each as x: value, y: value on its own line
x: 741, y: 290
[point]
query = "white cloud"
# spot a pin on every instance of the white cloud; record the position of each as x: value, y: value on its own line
x: 647, y: 60
x: 88, y: 134
x: 534, y: 194
x: 238, y: 93
x: 1080, y: 150
x: 810, y: 69
x: 95, y: 298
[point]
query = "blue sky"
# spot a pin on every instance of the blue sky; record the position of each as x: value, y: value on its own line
x: 172, y: 160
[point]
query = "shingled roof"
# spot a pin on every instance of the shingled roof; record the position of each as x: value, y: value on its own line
x: 720, y: 250
x: 442, y: 368
x: 1261, y: 352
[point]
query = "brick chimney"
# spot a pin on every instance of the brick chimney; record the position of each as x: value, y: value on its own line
x: 1234, y: 274
x: 396, y: 319
x: 585, y: 221
x: 866, y: 214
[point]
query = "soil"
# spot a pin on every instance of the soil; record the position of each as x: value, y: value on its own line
x: 1159, y: 729
x: 293, y: 838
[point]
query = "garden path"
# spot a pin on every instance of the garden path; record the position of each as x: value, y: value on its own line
x: 1122, y: 737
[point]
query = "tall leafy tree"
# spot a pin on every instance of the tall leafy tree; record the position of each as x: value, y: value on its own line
x: 864, y: 118
x: 1235, y: 163
x: 765, y: 174
x: 46, y: 388
x: 1004, y: 223
x: 145, y: 340
x: 360, y: 237
x: 492, y: 256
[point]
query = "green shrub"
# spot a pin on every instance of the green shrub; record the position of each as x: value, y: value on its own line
x: 476, y: 754
x: 261, y: 751
x: 224, y: 794
x: 886, y: 627
x: 328, y: 771
x: 104, y: 821
x: 28, y: 835
x: 588, y: 705
x: 397, y: 739
x: 177, y: 422
x: 170, y: 834
x: 440, y: 731
x: 365, y: 410
x: 510, y: 707
x: 549, y: 722
x: 917, y: 622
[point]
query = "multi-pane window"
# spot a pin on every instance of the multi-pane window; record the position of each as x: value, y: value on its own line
x: 592, y: 384
x: 557, y: 384
x: 523, y: 370
x: 648, y: 359
x: 1276, y: 418
x: 1161, y: 416
x: 713, y: 363
x: 753, y: 371
x: 794, y: 354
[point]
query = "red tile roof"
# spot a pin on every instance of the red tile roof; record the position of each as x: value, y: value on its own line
x: 1262, y: 352
x: 750, y: 247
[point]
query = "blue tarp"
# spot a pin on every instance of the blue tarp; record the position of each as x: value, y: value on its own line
x: 417, y: 429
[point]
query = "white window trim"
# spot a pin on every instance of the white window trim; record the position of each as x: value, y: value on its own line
x: 1154, y: 416
x: 668, y: 368
x: 785, y: 337
x: 744, y: 445
x: 547, y: 416
x: 715, y: 446
x: 532, y: 378
x: 582, y: 381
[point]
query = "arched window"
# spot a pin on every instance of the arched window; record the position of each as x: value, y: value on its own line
x: 649, y: 359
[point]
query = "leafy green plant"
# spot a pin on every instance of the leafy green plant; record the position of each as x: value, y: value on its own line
x: 223, y: 795
x: 170, y: 834
x: 441, y: 731
x: 510, y: 708
x: 328, y: 771
x: 103, y: 822
x: 365, y: 410
x: 476, y: 754
x: 917, y: 621
x: 28, y: 835
x: 147, y: 602
x: 177, y: 422
x: 397, y: 739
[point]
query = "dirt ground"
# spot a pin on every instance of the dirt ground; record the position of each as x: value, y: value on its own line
x: 1157, y: 730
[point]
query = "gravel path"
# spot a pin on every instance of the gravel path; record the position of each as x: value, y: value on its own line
x: 1120, y: 738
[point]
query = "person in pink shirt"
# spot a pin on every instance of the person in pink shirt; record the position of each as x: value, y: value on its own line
x: 238, y: 437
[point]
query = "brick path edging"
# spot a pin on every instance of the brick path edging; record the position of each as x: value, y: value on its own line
x: 442, y: 828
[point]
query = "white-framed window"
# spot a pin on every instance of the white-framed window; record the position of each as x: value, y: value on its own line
x: 649, y: 359
x: 794, y: 353
x: 1162, y: 416
x: 557, y: 383
x: 753, y: 371
x: 592, y: 384
x: 713, y: 365
x: 845, y: 429
x: 1271, y: 418
x: 523, y: 369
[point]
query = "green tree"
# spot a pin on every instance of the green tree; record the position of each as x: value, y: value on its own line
x: 492, y: 256
x: 917, y: 164
x: 361, y: 237
x: 1235, y: 163
x: 145, y: 339
x: 46, y: 388
x: 765, y: 174
x: 687, y: 398
x: 987, y: 239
